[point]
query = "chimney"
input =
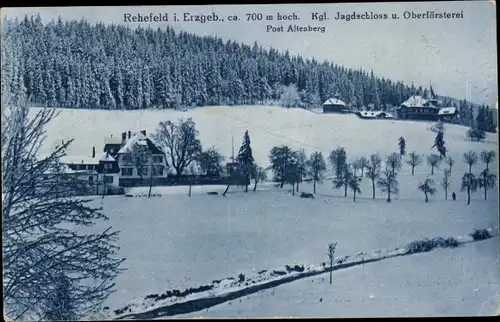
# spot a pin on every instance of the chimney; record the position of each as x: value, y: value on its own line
x: 124, y: 137
x: 129, y: 134
x: 93, y: 152
x: 143, y: 132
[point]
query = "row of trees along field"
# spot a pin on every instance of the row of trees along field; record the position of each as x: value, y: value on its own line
x: 78, y: 65
x: 185, y: 154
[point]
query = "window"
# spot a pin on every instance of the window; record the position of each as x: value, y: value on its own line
x: 108, y: 179
x: 127, y: 158
x: 127, y: 171
x: 157, y: 158
x: 142, y: 171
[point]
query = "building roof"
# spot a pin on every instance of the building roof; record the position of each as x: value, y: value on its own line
x: 72, y: 159
x: 417, y: 101
x: 65, y: 169
x: 139, y: 139
x: 334, y: 101
x: 447, y: 110
x: 374, y: 114
x: 106, y: 157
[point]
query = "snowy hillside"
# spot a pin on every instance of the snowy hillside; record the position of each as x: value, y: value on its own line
x: 462, y: 282
x: 267, y: 126
x: 175, y: 242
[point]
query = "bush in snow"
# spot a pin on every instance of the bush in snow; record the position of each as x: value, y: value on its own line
x: 480, y: 234
x: 295, y: 268
x: 425, y: 245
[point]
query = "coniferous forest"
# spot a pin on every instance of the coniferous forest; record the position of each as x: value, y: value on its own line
x: 75, y: 64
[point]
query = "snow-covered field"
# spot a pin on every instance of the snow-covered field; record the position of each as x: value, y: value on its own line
x: 267, y: 126
x: 444, y: 282
x: 176, y: 242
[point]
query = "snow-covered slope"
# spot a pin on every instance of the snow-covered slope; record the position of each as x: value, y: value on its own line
x: 267, y: 126
x: 445, y: 282
x: 176, y: 241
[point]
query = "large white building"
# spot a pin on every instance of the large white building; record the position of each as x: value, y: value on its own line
x: 132, y: 160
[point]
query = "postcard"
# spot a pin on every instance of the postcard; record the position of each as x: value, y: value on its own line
x: 249, y: 161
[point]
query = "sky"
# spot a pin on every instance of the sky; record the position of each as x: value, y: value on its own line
x: 457, y: 56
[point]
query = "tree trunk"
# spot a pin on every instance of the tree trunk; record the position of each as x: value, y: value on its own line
x: 412, y: 170
x: 150, y: 186
x: 314, y: 186
x: 225, y: 191
x: 331, y: 270
x: 255, y: 185
x: 373, y: 189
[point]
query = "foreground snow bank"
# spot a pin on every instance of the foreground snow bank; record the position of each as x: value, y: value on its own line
x: 175, y: 302
x: 464, y: 281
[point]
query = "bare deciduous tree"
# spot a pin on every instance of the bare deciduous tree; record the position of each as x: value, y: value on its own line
x: 38, y: 205
x: 433, y: 160
x: 180, y: 142
x: 450, y: 162
x: 388, y: 183
x: 470, y: 158
x: 258, y: 174
x: 373, y: 170
x: 331, y: 257
x: 394, y: 162
x: 414, y: 159
x: 487, y: 157
x: 487, y: 180
x: 427, y: 188
x: 143, y: 162
x: 316, y: 167
x: 469, y: 184
x: 446, y: 182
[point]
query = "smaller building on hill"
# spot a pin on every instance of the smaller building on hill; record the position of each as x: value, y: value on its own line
x: 335, y: 105
x: 374, y: 115
x: 448, y: 114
